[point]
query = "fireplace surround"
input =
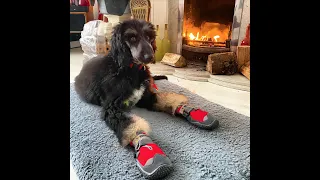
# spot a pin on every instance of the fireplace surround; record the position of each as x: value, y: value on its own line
x: 240, y: 20
x: 206, y: 28
x: 197, y: 55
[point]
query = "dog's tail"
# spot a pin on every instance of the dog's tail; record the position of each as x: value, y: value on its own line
x: 159, y: 77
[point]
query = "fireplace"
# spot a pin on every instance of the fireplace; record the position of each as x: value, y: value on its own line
x: 207, y: 23
x: 232, y: 16
x: 207, y: 29
x: 207, y: 33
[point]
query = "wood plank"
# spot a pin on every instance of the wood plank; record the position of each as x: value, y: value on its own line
x: 222, y: 63
x: 78, y: 13
x: 243, y: 55
x: 245, y: 70
x: 175, y: 60
x: 89, y: 14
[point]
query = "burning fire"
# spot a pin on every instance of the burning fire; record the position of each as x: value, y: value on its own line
x: 208, y: 32
x: 203, y: 38
x: 191, y: 36
x: 216, y: 37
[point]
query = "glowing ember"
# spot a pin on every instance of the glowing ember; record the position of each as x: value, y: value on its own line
x: 202, y: 38
x: 191, y: 36
x: 216, y: 37
x: 206, y: 32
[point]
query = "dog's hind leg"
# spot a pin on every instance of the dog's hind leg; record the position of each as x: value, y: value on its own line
x: 177, y: 104
x: 168, y: 102
x: 134, y: 130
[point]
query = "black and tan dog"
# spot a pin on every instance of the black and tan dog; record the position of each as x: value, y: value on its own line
x: 121, y: 80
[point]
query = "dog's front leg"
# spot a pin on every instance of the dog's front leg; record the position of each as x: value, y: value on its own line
x: 134, y: 130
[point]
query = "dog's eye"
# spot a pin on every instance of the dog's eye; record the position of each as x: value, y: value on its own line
x: 133, y: 39
x: 148, y: 38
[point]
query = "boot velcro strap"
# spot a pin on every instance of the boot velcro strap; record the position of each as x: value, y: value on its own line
x: 185, y: 110
x: 144, y: 140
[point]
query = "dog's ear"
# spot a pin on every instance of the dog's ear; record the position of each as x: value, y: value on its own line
x: 118, y: 47
x: 116, y: 38
x: 154, y: 46
x: 153, y: 43
x: 153, y: 35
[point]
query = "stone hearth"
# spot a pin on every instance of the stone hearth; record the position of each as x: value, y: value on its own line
x: 236, y: 81
x: 197, y: 73
x: 193, y: 74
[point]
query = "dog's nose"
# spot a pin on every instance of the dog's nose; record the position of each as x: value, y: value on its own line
x: 148, y: 57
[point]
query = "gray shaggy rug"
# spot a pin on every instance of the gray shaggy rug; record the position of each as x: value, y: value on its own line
x: 223, y: 153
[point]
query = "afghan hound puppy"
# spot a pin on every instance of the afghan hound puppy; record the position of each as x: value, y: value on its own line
x: 121, y: 80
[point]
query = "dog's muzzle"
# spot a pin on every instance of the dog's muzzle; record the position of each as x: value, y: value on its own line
x: 147, y: 58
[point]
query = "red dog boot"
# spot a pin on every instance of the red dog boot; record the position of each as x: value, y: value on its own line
x: 198, y: 117
x: 151, y: 160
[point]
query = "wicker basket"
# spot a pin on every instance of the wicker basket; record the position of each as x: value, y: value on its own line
x: 140, y: 9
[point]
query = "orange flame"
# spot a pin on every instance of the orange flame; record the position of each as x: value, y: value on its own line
x: 203, y: 38
x: 216, y: 37
x: 191, y: 36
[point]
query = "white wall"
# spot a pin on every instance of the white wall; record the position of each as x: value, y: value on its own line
x: 159, y: 14
x: 245, y: 20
